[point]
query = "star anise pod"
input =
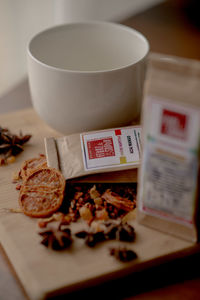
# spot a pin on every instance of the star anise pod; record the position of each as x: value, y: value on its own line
x: 125, y: 232
x: 112, y: 231
x: 91, y: 238
x: 11, y: 144
x: 120, y: 231
x: 123, y: 254
x: 56, y: 238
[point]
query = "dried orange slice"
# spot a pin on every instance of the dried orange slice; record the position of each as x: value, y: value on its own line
x: 42, y: 192
x: 31, y: 165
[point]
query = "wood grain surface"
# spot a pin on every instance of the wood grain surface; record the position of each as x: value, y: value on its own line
x: 45, y: 273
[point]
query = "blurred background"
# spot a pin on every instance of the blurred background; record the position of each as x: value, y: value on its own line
x: 171, y: 26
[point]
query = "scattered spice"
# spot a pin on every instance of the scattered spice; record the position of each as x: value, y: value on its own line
x: 11, y: 145
x: 16, y: 210
x: 125, y: 232
x: 99, y: 202
x: 10, y: 159
x: 18, y: 187
x: 16, y: 177
x: 10, y: 210
x: 102, y: 206
x: 101, y: 214
x: 91, y: 239
x: 56, y: 238
x: 85, y: 213
x: 118, y: 230
x: 109, y: 231
x: 94, y: 194
x: 58, y: 216
x: 118, y: 201
x: 123, y: 254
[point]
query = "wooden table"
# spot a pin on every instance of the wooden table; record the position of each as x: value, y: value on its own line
x: 172, y: 281
x: 169, y: 31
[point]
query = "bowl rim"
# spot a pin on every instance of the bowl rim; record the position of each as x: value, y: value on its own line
x: 101, y: 23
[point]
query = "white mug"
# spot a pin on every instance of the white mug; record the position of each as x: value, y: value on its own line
x: 87, y: 76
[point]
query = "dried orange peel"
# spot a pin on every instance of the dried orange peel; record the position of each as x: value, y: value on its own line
x: 42, y: 192
x: 31, y: 165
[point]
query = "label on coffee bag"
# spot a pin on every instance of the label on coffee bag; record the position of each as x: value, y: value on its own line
x: 170, y: 161
x: 111, y: 148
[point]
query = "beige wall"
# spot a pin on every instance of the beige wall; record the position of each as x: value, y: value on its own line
x: 21, y: 19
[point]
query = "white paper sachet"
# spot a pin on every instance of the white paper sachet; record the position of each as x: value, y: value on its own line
x: 95, y: 152
x: 169, y: 177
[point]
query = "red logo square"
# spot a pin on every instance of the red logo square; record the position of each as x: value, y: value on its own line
x: 174, y: 124
x: 118, y: 132
x: 100, y: 148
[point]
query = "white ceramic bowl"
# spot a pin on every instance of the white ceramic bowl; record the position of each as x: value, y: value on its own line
x: 86, y: 76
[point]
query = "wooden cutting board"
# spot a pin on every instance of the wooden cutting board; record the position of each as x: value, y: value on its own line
x: 43, y: 272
